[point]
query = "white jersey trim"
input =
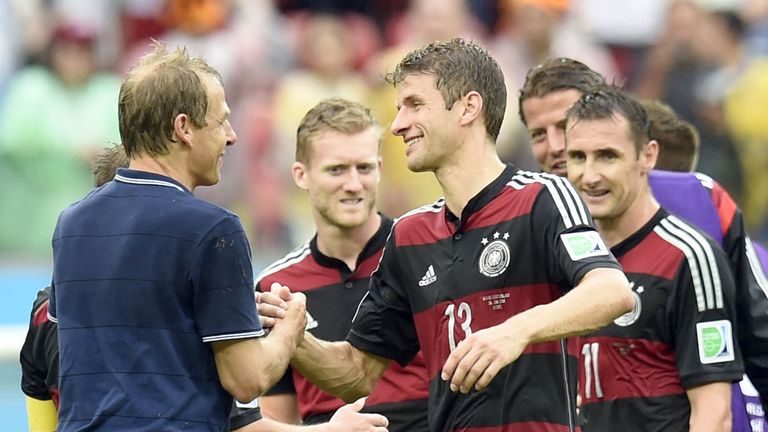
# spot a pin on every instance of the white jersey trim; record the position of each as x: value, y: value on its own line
x: 147, y: 182
x: 295, y: 256
x: 754, y: 264
x: 701, y: 260
x: 232, y: 336
x: 571, y: 208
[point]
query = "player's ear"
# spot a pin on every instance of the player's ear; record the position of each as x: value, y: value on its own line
x: 299, y: 173
x: 648, y: 156
x: 472, y: 107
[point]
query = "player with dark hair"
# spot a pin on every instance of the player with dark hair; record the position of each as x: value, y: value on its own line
x: 338, y: 164
x: 668, y: 364
x: 487, y: 281
x: 693, y: 196
x: 549, y: 90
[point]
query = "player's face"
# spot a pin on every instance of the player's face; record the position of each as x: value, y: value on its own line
x: 341, y: 177
x: 546, y: 128
x: 428, y: 129
x: 604, y: 166
x: 211, y: 140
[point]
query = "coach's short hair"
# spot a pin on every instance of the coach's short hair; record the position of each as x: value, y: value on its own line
x: 159, y: 87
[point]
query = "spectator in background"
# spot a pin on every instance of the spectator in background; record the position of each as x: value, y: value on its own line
x: 693, y: 45
x: 53, y: 121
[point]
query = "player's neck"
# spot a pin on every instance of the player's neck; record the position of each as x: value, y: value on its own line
x: 467, y: 174
x: 346, y: 244
x: 615, y: 230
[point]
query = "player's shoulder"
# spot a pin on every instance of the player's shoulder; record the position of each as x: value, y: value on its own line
x: 678, y: 231
x: 293, y: 262
x: 418, y: 217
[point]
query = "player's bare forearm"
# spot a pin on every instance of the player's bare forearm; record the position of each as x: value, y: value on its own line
x: 601, y: 296
x: 339, y: 368
x: 710, y: 407
x: 235, y: 359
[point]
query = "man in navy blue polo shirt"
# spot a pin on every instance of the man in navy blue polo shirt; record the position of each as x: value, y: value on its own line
x: 153, y: 288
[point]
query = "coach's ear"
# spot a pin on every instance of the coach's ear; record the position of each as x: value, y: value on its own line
x: 299, y: 172
x: 182, y: 132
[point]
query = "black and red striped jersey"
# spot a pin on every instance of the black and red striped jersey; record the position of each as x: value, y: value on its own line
x: 524, y: 240
x: 40, y: 353
x: 333, y: 295
x: 634, y: 373
x: 699, y: 199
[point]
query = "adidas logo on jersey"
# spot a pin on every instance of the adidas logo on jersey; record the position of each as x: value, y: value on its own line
x: 429, y: 277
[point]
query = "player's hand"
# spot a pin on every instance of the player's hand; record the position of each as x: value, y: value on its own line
x: 270, y: 308
x: 295, y: 320
x: 478, y: 358
x: 349, y: 419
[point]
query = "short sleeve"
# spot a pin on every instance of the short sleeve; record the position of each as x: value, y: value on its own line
x: 383, y: 324
x: 569, y: 243
x: 703, y: 318
x: 40, y: 353
x: 222, y: 281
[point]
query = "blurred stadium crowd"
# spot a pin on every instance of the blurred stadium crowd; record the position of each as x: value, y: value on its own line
x: 61, y: 63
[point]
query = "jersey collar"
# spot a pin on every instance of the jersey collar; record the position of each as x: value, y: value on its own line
x: 374, y: 244
x: 129, y: 176
x: 633, y: 240
x: 485, y: 196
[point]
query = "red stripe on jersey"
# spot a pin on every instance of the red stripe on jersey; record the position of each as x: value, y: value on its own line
x: 428, y: 227
x: 41, y: 315
x: 510, y: 204
x: 302, y: 276
x: 477, y: 311
x: 520, y: 427
x: 55, y: 396
x: 663, y: 262
x: 726, y: 207
x: 626, y: 368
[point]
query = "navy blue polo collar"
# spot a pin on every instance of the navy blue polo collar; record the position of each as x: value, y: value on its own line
x: 125, y: 175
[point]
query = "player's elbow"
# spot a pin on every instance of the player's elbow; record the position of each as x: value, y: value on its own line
x: 361, y: 389
x: 620, y: 299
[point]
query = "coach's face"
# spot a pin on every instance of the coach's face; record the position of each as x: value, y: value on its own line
x: 210, y: 141
x: 341, y: 177
x: 605, y: 167
x: 545, y: 117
